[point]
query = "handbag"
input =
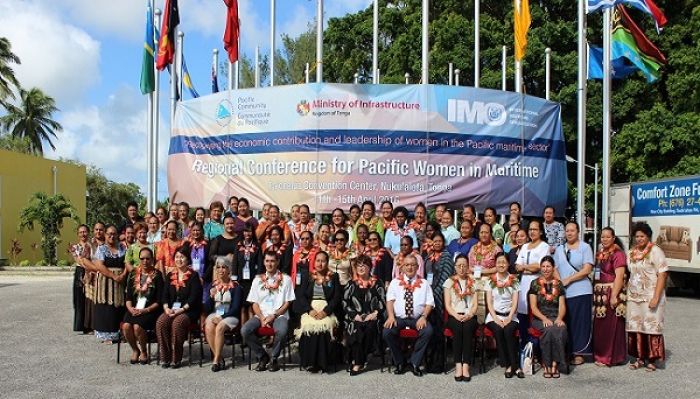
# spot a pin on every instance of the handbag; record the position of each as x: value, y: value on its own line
x: 526, y: 359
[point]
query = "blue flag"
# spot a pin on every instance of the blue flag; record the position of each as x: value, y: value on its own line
x: 620, y: 68
x: 187, y: 80
x: 646, y: 6
x: 214, y: 79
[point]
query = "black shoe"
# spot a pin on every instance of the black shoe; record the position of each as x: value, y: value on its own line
x: 520, y: 374
x: 274, y: 366
x: 400, y: 369
x: 509, y: 374
x: 215, y: 367
x: 176, y: 365
x: 466, y: 378
x: 458, y: 379
x: 165, y: 365
x: 313, y: 369
x: 133, y: 361
x: 416, y: 370
x: 354, y: 372
x: 262, y: 364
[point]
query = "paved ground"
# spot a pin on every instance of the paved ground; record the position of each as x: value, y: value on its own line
x: 40, y: 357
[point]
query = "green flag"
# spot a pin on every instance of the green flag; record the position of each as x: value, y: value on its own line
x: 147, y: 74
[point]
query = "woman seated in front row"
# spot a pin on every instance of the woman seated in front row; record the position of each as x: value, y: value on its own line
x: 318, y: 299
x: 548, y: 306
x: 502, y: 300
x: 460, y: 305
x: 143, y: 295
x: 224, y: 308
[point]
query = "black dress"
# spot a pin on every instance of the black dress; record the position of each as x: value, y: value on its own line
x: 154, y: 294
x: 362, y: 337
x: 79, y: 300
x: 190, y: 294
x: 315, y: 348
x: 219, y: 246
x: 108, y: 311
x: 383, y: 267
x: 253, y: 259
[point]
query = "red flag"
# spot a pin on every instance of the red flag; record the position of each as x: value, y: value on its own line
x: 232, y: 30
x: 646, y: 47
x: 166, y: 46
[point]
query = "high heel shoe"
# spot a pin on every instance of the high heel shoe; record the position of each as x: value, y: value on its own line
x: 459, y: 378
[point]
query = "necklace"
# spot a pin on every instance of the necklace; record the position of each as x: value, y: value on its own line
x: 496, y: 283
x: 435, y: 256
x: 638, y: 255
x: 605, y: 254
x: 223, y: 287
x: 142, y: 288
x: 361, y: 283
x: 457, y: 287
x: 275, y: 283
x: 411, y: 287
x: 482, y: 251
x: 549, y: 297
x: 321, y: 277
x: 175, y: 280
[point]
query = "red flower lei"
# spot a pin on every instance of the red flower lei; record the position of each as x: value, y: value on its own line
x: 435, y: 256
x: 339, y: 258
x: 401, y: 232
x: 637, y: 255
x: 196, y: 244
x: 365, y: 283
x: 175, y: 278
x: 479, y: 252
x: 322, y: 278
x: 247, y: 250
x: 427, y: 246
x: 221, y: 287
x: 417, y: 226
x: 604, y: 255
x: 141, y: 289
x: 279, y: 250
x: 461, y: 294
x: 389, y: 224
x: 376, y: 258
x: 308, y: 227
x: 412, y: 287
x: 358, y: 249
x: 554, y: 295
x: 502, y: 284
x: 275, y: 284
x: 371, y: 223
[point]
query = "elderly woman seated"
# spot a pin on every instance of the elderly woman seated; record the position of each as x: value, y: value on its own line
x: 223, y: 304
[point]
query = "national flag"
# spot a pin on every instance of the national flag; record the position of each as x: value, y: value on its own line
x: 629, y: 41
x: 166, y: 46
x: 214, y: 79
x: 521, y: 16
x: 147, y: 74
x: 232, y: 31
x: 647, y: 6
x: 187, y: 80
x: 620, y: 68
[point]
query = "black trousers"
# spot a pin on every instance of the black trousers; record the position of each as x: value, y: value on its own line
x: 506, y: 344
x: 463, y: 339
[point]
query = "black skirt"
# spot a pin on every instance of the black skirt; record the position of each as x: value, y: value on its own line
x: 79, y: 300
x: 315, y: 350
x: 147, y: 321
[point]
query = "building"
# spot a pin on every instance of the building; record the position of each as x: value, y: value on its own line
x: 23, y: 175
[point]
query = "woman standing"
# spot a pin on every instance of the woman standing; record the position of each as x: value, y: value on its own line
x: 283, y: 249
x: 369, y: 219
x: 144, y: 291
x: 364, y: 306
x: 341, y: 257
x: 225, y: 244
x: 244, y: 217
x: 497, y: 230
x: 304, y: 258
x: 223, y: 306
x: 165, y: 250
x: 646, y: 300
x: 354, y: 214
x: 182, y: 301
x: 81, y: 252
x: 482, y: 264
x: 574, y: 262
x: 109, y: 287
x: 528, y: 265
x: 406, y: 248
x: 317, y: 302
x: 382, y: 264
x: 387, y: 210
x: 609, y: 340
x: 131, y: 259
x: 359, y: 245
x: 520, y: 240
x: 439, y: 267
x: 502, y: 298
x: 323, y: 238
x: 426, y: 248
x: 420, y: 221
x: 548, y: 310
x: 247, y: 264
x: 213, y: 227
x: 460, y: 304
x: 339, y: 221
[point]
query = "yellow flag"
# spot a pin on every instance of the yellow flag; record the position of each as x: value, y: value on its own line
x: 521, y: 16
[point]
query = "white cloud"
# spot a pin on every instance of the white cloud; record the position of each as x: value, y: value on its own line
x: 59, y: 58
x: 124, y: 18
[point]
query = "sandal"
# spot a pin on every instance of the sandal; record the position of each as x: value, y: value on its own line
x: 637, y: 364
x: 577, y: 361
x: 547, y: 374
x: 651, y: 367
x: 555, y: 374
x: 601, y: 364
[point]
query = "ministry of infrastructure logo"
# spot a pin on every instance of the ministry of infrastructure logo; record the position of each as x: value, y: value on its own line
x: 224, y: 113
x: 303, y: 108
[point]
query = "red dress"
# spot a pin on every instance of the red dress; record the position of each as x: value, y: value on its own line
x: 609, y: 335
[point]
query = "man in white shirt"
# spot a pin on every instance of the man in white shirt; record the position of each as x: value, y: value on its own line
x: 409, y: 300
x: 270, y: 294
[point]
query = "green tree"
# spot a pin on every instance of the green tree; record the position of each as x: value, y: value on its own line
x: 106, y: 200
x: 16, y: 144
x: 291, y: 60
x: 49, y: 211
x: 8, y: 81
x: 32, y: 119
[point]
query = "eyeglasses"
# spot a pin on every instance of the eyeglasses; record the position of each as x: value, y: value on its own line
x: 305, y: 238
x: 146, y: 258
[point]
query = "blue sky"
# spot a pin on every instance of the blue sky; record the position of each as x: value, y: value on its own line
x: 87, y: 55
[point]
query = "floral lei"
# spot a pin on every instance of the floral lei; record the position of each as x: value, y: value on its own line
x: 275, y: 284
x: 389, y: 224
x: 435, y: 256
x: 554, y: 295
x: 141, y: 289
x: 247, y: 250
x: 502, y: 284
x: 377, y: 257
x: 358, y: 249
x: 371, y: 223
x: 417, y: 226
x: 637, y: 255
x: 401, y: 232
x: 197, y: 244
x: 322, y: 277
x: 461, y: 294
x: 308, y: 227
x: 400, y: 256
x: 279, y: 250
x: 365, y: 283
x: 427, y: 245
x: 480, y: 253
x: 411, y: 287
x: 175, y: 278
x: 604, y: 254
x: 221, y: 287
x: 339, y: 258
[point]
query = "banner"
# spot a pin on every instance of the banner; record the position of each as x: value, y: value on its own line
x: 333, y: 145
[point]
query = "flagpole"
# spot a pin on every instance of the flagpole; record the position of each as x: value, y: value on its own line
x: 477, y: 56
x: 306, y: 73
x: 504, y: 67
x: 150, y: 204
x: 547, y: 72
x: 375, y: 43
x: 425, y: 43
x: 215, y: 65
x: 450, y: 74
x: 156, y: 121
x: 581, y: 114
x: 257, y: 66
x: 607, y: 122
x: 319, y: 41
x: 180, y: 47
x: 272, y: 42
x: 518, y: 65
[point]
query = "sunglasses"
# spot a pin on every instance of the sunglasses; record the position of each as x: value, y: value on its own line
x: 305, y: 238
x: 146, y: 258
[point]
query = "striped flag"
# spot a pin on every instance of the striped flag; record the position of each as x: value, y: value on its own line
x: 147, y: 74
x: 630, y: 42
x: 166, y: 45
x: 187, y: 80
x: 647, y: 6
x: 521, y: 16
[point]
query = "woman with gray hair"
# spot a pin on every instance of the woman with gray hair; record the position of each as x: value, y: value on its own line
x: 223, y: 305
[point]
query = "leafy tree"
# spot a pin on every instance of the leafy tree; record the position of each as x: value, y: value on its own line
x: 16, y: 144
x: 32, y: 119
x: 49, y: 211
x: 8, y: 81
x: 106, y: 201
x: 290, y: 62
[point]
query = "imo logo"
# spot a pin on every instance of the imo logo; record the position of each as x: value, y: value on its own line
x: 303, y: 108
x: 224, y: 113
x: 477, y: 112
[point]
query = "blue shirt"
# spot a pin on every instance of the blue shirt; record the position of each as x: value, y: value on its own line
x: 450, y: 233
x: 456, y: 248
x: 577, y: 257
x: 392, y: 240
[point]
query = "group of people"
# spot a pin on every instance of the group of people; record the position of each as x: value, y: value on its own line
x: 363, y: 280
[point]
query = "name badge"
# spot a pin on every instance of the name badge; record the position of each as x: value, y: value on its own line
x: 176, y: 305
x: 246, y: 271
x: 270, y: 301
x: 234, y: 277
x: 141, y: 303
x: 477, y: 271
x: 298, y: 279
x: 197, y: 265
x: 596, y: 274
x: 220, y: 310
x: 430, y: 278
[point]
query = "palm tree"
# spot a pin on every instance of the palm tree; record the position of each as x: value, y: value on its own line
x: 32, y: 119
x: 7, y: 75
